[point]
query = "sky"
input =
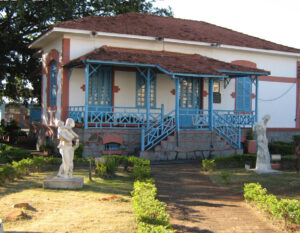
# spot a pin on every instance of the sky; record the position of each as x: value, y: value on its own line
x: 274, y: 20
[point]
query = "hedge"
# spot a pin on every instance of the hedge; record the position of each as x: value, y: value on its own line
x: 150, y: 212
x: 286, y: 209
x: 283, y: 148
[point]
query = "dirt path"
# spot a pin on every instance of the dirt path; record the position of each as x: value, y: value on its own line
x: 195, y: 204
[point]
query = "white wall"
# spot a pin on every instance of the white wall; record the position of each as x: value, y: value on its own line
x: 76, y: 94
x: 164, y: 86
x: 278, y: 65
x: 127, y: 84
x: 273, y: 101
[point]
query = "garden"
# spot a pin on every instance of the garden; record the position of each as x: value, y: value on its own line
x: 118, y: 195
x: 277, y: 196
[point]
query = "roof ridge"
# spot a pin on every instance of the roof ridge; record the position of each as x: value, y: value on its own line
x: 173, y: 28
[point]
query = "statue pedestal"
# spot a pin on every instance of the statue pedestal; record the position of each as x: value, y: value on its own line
x: 55, y: 182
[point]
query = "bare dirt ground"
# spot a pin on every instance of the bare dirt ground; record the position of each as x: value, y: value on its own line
x: 195, y: 204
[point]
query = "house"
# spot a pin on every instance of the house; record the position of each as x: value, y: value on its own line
x: 164, y: 87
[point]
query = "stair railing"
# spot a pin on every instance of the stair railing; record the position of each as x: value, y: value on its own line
x: 228, y: 131
x: 158, y: 131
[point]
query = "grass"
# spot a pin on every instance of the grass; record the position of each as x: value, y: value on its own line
x: 71, y: 211
x: 284, y: 185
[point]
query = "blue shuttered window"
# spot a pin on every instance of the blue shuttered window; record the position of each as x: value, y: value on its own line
x: 189, y: 93
x: 100, y: 87
x: 53, y: 83
x: 243, y: 94
x: 141, y: 94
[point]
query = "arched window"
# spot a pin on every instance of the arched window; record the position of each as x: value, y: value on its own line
x: 53, y: 81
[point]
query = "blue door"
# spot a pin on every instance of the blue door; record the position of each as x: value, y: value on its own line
x: 243, y: 94
x: 189, y: 101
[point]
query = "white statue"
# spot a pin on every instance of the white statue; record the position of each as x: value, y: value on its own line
x: 66, y: 136
x: 263, y: 162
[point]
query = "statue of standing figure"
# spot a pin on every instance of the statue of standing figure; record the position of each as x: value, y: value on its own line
x: 66, y: 137
x: 263, y: 162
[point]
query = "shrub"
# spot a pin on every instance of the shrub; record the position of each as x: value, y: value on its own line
x: 208, y: 165
x: 283, y: 148
x: 235, y: 161
x: 10, y: 154
x: 107, y: 167
x: 287, y: 209
x: 296, y: 139
x: 78, y: 152
x: 150, y: 212
x: 7, y: 172
x: 141, y: 168
x: 226, y: 177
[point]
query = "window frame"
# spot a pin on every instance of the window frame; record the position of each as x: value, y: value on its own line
x: 139, y: 78
x: 53, y: 83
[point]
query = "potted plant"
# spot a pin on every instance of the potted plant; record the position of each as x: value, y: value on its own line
x: 250, y: 142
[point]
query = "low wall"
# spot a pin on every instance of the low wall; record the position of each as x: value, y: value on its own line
x: 282, y: 134
x: 92, y: 139
x: 93, y: 142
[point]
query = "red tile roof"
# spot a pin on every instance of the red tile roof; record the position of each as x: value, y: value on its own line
x: 172, y: 62
x: 173, y: 28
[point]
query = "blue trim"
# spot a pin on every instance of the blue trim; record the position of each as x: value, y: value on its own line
x: 86, y: 96
x: 177, y: 103
x: 53, y: 83
x: 154, y: 66
x: 256, y: 98
x: 148, y: 95
x: 231, y: 72
x: 243, y: 94
x: 210, y: 103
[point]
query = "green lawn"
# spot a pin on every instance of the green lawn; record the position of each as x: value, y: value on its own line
x: 286, y: 185
x: 68, y: 210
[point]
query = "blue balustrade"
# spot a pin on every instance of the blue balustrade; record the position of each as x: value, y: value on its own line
x: 158, y: 131
x: 76, y: 113
x: 194, y: 118
x: 106, y: 116
x: 227, y: 130
x: 238, y: 118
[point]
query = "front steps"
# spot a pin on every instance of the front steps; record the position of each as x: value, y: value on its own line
x: 192, y: 145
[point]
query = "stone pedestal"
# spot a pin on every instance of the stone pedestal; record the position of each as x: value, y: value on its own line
x: 54, y: 182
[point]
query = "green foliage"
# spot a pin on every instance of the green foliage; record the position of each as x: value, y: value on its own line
x: 151, y: 228
x: 287, y: 209
x: 208, y: 165
x: 23, y: 21
x: 7, y: 172
x: 12, y: 130
x: 78, y: 152
x: 226, y: 177
x: 141, y: 168
x: 235, y: 161
x: 150, y: 212
x: 296, y: 139
x: 9, y: 154
x: 283, y: 148
x: 107, y: 167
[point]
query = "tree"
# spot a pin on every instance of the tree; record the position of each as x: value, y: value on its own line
x: 23, y: 21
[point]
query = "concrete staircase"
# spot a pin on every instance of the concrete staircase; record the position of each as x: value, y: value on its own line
x: 192, y: 145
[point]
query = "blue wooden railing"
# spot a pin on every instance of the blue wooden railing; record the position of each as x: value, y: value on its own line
x: 102, y: 116
x: 227, y: 130
x: 158, y: 131
x: 238, y: 118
